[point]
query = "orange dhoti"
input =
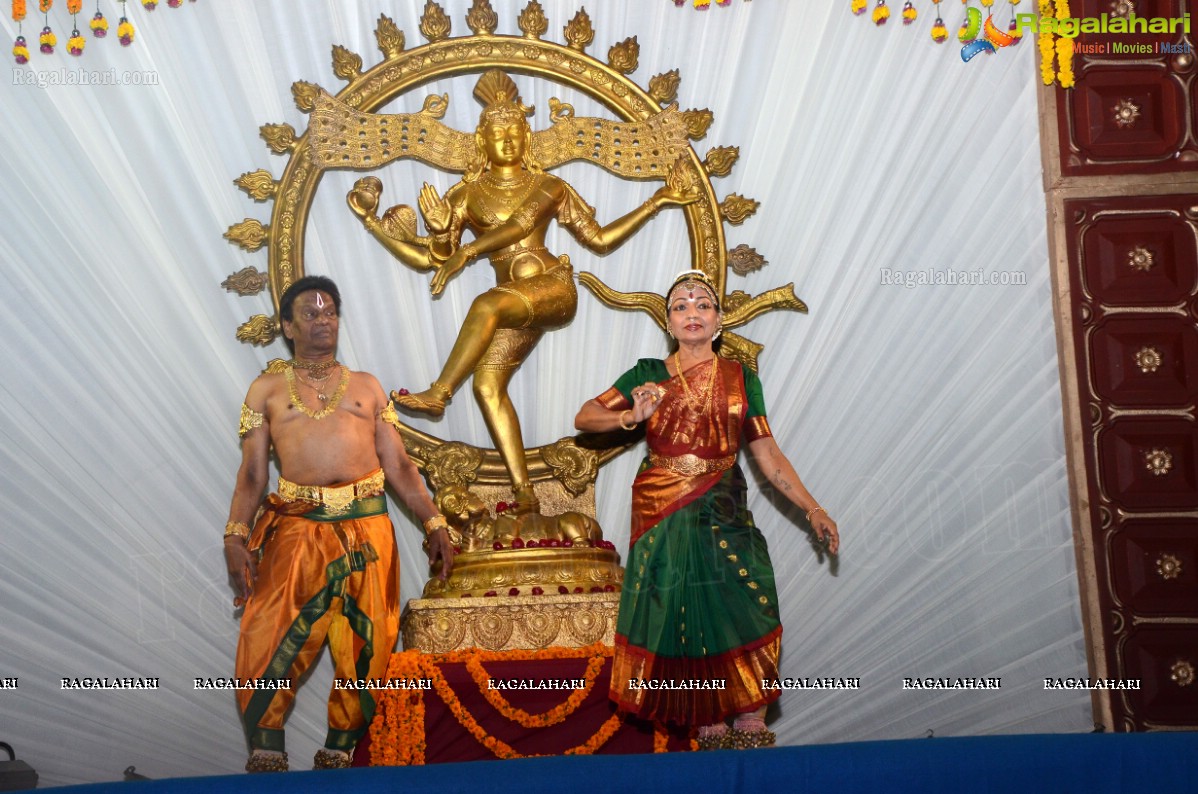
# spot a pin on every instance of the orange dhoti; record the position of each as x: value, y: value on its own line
x: 328, y: 570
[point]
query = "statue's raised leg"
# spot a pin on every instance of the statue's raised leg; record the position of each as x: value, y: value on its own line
x: 490, y: 312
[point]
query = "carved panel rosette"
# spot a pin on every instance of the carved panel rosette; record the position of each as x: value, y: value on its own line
x: 507, y: 623
x: 1133, y: 294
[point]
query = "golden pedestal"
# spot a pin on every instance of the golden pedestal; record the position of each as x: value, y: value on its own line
x: 504, y: 623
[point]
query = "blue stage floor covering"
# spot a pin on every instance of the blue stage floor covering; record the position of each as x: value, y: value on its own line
x: 1062, y: 763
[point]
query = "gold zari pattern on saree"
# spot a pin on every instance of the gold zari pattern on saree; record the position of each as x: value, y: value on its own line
x: 692, y: 465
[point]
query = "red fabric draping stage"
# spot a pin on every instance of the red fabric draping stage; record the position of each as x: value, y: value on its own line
x: 454, y: 720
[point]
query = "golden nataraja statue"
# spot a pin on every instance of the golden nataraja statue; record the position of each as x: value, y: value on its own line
x: 507, y: 200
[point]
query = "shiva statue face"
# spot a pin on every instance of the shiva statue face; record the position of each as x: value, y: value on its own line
x: 504, y: 140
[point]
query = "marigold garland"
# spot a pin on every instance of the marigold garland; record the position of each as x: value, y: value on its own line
x: 1047, y: 48
x: 18, y: 10
x: 1065, y: 61
x: 661, y: 738
x: 47, y: 40
x: 398, y: 737
x: 1064, y: 49
x: 555, y: 715
x: 881, y: 13
x: 44, y: 5
x: 124, y: 32
x: 99, y: 26
x: 939, y: 31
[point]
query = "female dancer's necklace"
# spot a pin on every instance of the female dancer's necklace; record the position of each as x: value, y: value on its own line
x: 697, y: 403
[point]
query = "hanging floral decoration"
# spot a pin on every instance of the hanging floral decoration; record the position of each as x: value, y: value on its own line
x: 20, y: 52
x: 976, y: 27
x: 149, y: 5
x: 397, y: 735
x: 76, y: 42
x: 47, y: 40
x: 124, y: 29
x: 99, y: 24
x: 1064, y: 46
x: 939, y: 31
x: 701, y: 5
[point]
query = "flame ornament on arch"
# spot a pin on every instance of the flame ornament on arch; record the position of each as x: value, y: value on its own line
x: 401, y: 72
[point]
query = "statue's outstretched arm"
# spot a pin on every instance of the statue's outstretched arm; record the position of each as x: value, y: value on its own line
x: 396, y: 230
x: 602, y: 239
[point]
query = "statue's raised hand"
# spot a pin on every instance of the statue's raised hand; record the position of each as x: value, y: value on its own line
x: 681, y: 187
x: 436, y: 210
x: 364, y: 198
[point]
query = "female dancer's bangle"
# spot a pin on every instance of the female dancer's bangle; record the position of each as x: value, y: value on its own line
x: 813, y: 511
x: 626, y: 427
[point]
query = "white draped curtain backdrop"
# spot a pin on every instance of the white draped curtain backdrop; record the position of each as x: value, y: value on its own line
x: 926, y: 419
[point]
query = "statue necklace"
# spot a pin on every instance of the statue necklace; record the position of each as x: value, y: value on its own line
x: 525, y: 180
x: 329, y: 404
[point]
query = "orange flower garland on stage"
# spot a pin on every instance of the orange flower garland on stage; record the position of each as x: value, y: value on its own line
x: 556, y: 715
x: 398, y: 737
